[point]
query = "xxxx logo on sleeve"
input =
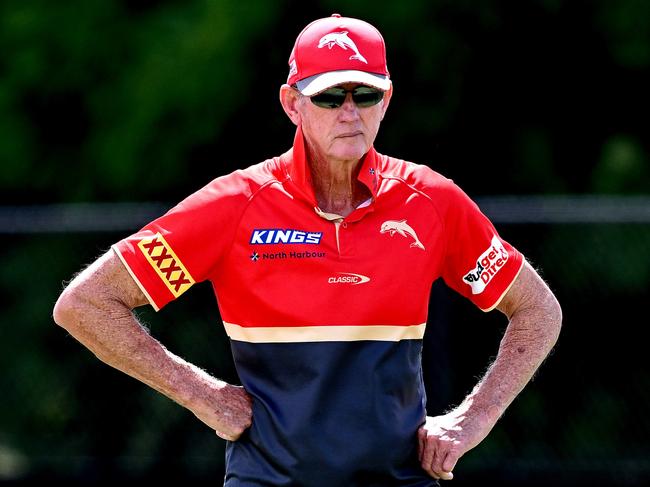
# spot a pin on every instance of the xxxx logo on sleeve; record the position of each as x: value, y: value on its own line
x: 166, y: 264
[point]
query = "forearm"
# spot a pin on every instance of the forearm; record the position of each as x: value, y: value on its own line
x: 529, y: 337
x: 96, y: 308
x: 535, y: 320
x: 112, y: 332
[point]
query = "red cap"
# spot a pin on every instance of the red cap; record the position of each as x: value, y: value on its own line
x: 337, y: 50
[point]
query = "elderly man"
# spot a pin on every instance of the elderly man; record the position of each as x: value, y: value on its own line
x: 322, y: 260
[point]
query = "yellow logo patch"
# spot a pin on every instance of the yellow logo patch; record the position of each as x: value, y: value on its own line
x: 165, y: 262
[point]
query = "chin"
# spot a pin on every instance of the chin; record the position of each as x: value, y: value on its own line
x: 357, y: 151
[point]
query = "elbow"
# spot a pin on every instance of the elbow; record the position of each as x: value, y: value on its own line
x: 63, y: 309
x: 554, y: 313
x: 554, y: 308
x: 66, y: 309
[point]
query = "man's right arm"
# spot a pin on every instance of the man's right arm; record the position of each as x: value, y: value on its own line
x: 96, y: 308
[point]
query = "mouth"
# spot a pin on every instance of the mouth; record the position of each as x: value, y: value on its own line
x: 347, y: 135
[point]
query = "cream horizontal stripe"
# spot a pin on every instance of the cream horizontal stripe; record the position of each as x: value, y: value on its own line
x: 296, y: 334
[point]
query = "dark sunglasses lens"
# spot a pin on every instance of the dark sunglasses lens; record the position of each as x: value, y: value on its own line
x: 367, y: 97
x: 332, y: 98
x: 363, y: 96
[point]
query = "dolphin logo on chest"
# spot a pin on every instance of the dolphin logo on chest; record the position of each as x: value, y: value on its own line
x: 402, y: 228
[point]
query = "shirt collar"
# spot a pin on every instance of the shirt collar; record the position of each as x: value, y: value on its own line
x: 298, y: 171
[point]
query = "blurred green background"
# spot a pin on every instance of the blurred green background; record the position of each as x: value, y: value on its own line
x: 146, y: 101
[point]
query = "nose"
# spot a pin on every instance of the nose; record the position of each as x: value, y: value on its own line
x: 349, y: 109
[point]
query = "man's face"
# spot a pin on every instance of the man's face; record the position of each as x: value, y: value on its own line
x: 344, y: 133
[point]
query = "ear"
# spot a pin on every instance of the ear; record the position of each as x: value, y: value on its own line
x: 386, y: 101
x: 289, y: 99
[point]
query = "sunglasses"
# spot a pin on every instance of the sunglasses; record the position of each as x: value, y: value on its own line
x: 362, y: 96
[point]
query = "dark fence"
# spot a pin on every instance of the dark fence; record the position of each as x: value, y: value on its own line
x: 582, y: 421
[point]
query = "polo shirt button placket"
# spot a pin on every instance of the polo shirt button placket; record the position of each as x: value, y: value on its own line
x: 337, y: 226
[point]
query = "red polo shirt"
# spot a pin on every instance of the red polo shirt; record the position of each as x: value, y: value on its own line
x: 325, y: 314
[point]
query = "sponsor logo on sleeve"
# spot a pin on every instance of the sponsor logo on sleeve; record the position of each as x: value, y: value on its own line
x: 488, y: 265
x: 271, y: 236
x: 166, y: 264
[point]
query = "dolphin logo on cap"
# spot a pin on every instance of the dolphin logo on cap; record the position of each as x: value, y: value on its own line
x: 342, y: 40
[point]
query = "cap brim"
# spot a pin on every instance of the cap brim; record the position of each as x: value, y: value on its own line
x: 320, y: 82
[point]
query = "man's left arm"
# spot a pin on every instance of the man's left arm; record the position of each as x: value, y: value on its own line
x: 535, y: 321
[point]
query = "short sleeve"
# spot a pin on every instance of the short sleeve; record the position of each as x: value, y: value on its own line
x: 187, y: 244
x: 478, y: 263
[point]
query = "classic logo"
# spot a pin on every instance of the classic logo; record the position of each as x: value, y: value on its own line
x: 348, y: 278
x: 402, y: 228
x: 166, y: 264
x: 342, y: 40
x: 487, y: 265
x: 268, y: 236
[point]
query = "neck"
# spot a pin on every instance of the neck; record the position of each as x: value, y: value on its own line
x: 335, y: 184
